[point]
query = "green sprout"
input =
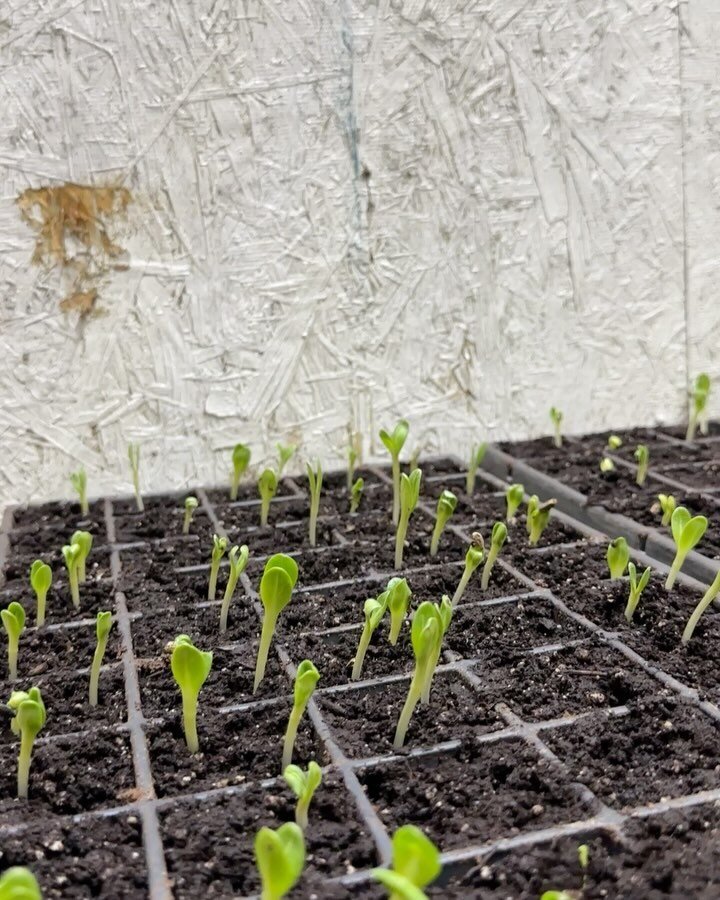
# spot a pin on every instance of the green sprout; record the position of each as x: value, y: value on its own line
x: 276, y: 586
x: 667, y: 505
x: 497, y: 539
x: 134, y: 458
x: 267, y: 486
x: 398, y: 600
x: 687, y: 532
x: 280, y: 858
x: 354, y: 455
x: 103, y: 624
x: 84, y: 540
x: 430, y: 623
x: 473, y: 558
x: 514, y: 496
x: 556, y: 418
x: 394, y: 443
x: 447, y: 501
x: 240, y: 461
x: 315, y: 480
x: 618, y: 556
x: 637, y: 586
x: 285, y: 454
x: 40, y: 582
x: 190, y: 668
x: 303, y: 785
x: 19, y: 883
x: 538, y: 516
x: 699, y: 398
x: 415, y: 864
x: 707, y: 599
x: 614, y: 442
x: 306, y: 679
x: 71, y: 555
x: 409, y: 493
x: 79, y: 482
x: 28, y: 719
x: 477, y: 454
x: 237, y: 567
x: 218, y: 551
x: 606, y: 465
x: 373, y: 611
x: 642, y: 457
x: 356, y: 494
x: 13, y: 619
x: 191, y: 504
x: 583, y: 852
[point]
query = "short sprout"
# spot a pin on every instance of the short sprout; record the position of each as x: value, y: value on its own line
x: 637, y: 586
x: 267, y: 487
x: 218, y: 551
x: 698, y: 404
x: 134, y: 459
x: 240, y: 461
x: 79, y: 482
x: 394, y: 442
x: 84, y: 540
x: 285, y: 454
x: 708, y: 597
x: 614, y: 442
x: 409, y: 494
x: 415, y: 865
x: 617, y: 556
x: 356, y: 492
x: 642, y: 457
x: 606, y: 465
x: 306, y: 679
x: 40, y: 581
x: 28, y: 719
x: 477, y: 454
x: 315, y: 480
x: 190, y: 668
x: 280, y: 858
x: 398, y: 600
x: 667, y: 505
x: 538, y: 516
x: 687, y: 532
x: 556, y: 418
x: 19, y: 883
x: 514, y: 496
x: 103, y: 624
x: 373, y: 612
x: 497, y: 539
x: 447, y: 502
x: 71, y: 555
x: 191, y: 504
x: 303, y: 785
x: 237, y: 559
x: 13, y: 619
x: 276, y: 586
x: 473, y: 558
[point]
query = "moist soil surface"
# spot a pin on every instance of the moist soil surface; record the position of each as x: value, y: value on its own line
x: 547, y: 712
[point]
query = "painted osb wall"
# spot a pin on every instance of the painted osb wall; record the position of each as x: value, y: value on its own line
x: 329, y: 212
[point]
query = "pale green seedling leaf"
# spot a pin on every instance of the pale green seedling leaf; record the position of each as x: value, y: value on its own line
x: 280, y: 857
x: 19, y: 883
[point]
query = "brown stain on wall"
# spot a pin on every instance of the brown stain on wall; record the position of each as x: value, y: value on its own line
x: 71, y: 222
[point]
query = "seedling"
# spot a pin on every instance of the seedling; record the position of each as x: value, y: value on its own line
x: 354, y: 454
x: 13, y: 619
x: 614, y: 442
x: 497, y: 539
x: 40, y: 582
x: 409, y: 493
x: 79, y: 482
x: 28, y: 719
x: 642, y: 457
x: 303, y: 785
x: 698, y: 403
x: 71, y: 555
x: 103, y: 624
x: 190, y: 668
x: 447, y: 501
x: 394, y: 443
x: 708, y: 597
x: 637, y: 586
x: 374, y: 610
x: 606, y: 465
x: 667, y: 504
x: 267, y: 486
x: 556, y: 418
x: 276, y: 586
x: 618, y: 556
x: 306, y: 679
x: 285, y: 454
x: 315, y: 480
x: 238, y: 559
x: 356, y: 494
x: 218, y: 551
x: 240, y: 461
x: 514, y: 496
x: 429, y: 625
x: 583, y: 852
x: 280, y: 858
x: 19, y: 883
x: 134, y: 458
x: 415, y: 865
x: 473, y: 558
x: 477, y: 454
x: 84, y: 540
x: 538, y: 516
x: 398, y: 600
x: 191, y: 504
x: 687, y: 532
